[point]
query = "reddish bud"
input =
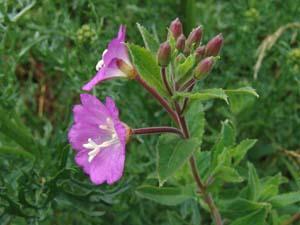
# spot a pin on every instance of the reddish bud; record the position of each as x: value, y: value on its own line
x: 176, y: 28
x: 180, y: 43
x: 164, y: 54
x: 194, y: 37
x: 214, y: 46
x: 199, y: 53
x: 204, y: 68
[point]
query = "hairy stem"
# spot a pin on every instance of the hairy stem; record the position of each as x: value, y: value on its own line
x: 161, y: 100
x: 166, y: 83
x: 202, y: 188
x: 156, y: 130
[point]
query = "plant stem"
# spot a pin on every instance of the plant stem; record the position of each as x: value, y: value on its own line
x: 161, y: 100
x: 187, y: 84
x: 166, y: 83
x: 186, y: 100
x: 156, y: 130
x: 202, y: 188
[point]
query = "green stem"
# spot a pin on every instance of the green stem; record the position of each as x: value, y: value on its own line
x: 202, y: 188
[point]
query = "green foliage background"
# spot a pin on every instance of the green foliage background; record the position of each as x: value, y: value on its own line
x: 49, y: 50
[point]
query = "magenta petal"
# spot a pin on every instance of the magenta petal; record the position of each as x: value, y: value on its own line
x: 81, y: 159
x: 108, y: 166
x: 111, y: 107
x: 116, y: 50
x: 99, y: 138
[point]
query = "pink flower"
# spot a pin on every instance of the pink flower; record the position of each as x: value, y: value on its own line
x: 115, y: 61
x: 99, y: 139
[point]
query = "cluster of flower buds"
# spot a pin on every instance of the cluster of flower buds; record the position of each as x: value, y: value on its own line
x: 204, y: 55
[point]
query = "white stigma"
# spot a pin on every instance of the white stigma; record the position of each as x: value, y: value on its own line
x: 101, y: 62
x: 96, y: 148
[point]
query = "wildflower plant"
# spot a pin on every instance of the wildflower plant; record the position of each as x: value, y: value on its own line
x: 169, y: 72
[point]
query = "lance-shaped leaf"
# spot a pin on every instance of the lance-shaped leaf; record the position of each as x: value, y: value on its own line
x: 172, y: 153
x: 208, y: 94
x: 254, y: 184
x: 146, y: 65
x: 258, y: 218
x: 150, y: 42
x: 285, y: 199
x: 240, y: 207
x: 242, y: 90
x: 239, y: 151
x: 166, y: 195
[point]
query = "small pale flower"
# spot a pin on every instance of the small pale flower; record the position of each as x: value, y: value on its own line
x: 99, y: 139
x: 113, y: 60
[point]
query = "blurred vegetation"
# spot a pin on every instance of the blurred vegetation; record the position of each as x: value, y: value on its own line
x: 49, y: 49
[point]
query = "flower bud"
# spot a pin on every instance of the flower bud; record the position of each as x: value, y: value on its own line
x: 203, y: 68
x: 164, y: 54
x: 126, y: 68
x: 180, y: 43
x: 214, y: 46
x: 199, y: 53
x: 176, y: 28
x: 194, y: 37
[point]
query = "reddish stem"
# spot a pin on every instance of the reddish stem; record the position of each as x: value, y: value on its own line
x: 156, y: 130
x: 162, y: 101
x: 165, y: 80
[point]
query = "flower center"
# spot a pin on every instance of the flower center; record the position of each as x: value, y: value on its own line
x: 96, y: 148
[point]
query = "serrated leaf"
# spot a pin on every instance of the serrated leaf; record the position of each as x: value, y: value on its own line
x: 165, y: 195
x: 243, y: 90
x: 186, y: 66
x: 241, y: 98
x: 240, y: 207
x: 146, y: 65
x: 226, y: 140
x: 150, y: 42
x: 258, y: 218
x: 208, y: 94
x: 270, y: 187
x: 239, y: 151
x: 285, y: 199
x: 195, y: 120
x: 227, y: 174
x: 172, y: 153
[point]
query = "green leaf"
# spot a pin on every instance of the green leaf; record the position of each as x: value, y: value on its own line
x: 204, y: 95
x: 227, y: 174
x: 239, y: 151
x: 258, y: 218
x: 285, y: 199
x: 226, y: 140
x: 173, y: 152
x: 150, y: 42
x: 165, y: 195
x: 240, y: 207
x: 253, y: 183
x: 195, y: 120
x: 146, y: 65
x: 12, y: 127
x: 241, y: 98
x: 17, y: 151
x: 270, y: 187
x: 243, y: 90
x: 184, y: 67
